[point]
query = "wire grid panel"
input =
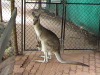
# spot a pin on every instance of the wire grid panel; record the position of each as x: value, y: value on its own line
x: 46, y: 19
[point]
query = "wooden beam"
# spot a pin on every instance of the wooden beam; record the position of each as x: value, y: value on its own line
x: 7, y: 33
x: 14, y: 28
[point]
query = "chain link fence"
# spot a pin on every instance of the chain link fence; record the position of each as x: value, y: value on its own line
x: 47, y: 19
x: 81, y: 26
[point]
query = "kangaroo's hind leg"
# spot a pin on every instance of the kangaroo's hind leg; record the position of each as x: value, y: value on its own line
x: 45, y: 58
x: 48, y: 55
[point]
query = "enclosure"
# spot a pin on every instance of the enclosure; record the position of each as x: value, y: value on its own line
x: 76, y: 24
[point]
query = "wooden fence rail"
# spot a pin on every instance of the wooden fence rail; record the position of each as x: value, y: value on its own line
x: 7, y: 33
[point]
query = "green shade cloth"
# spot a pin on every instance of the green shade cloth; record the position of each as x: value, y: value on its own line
x: 82, y: 15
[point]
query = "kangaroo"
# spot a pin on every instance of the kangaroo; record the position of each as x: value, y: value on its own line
x: 50, y: 43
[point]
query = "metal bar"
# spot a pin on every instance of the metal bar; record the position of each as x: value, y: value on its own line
x: 99, y: 29
x: 7, y: 33
x: 99, y: 37
x: 43, y: 2
x: 80, y: 49
x: 62, y: 28
x: 98, y: 41
x: 56, y: 9
x: 1, y: 11
x: 31, y: 50
x: 24, y: 23
x: 49, y: 4
x: 68, y: 3
x: 14, y: 28
x: 85, y: 3
x: 64, y: 22
x: 22, y: 28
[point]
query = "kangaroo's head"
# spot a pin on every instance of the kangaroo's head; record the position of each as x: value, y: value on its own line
x: 36, y: 19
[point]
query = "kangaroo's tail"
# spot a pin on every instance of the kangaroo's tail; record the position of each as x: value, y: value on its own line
x: 58, y: 56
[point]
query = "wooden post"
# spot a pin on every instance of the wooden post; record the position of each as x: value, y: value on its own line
x: 12, y: 5
x: 14, y: 28
x: 1, y: 11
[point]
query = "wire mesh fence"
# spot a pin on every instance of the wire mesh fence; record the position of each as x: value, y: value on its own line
x: 46, y: 19
x: 81, y: 25
x: 84, y: 16
x: 80, y: 28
